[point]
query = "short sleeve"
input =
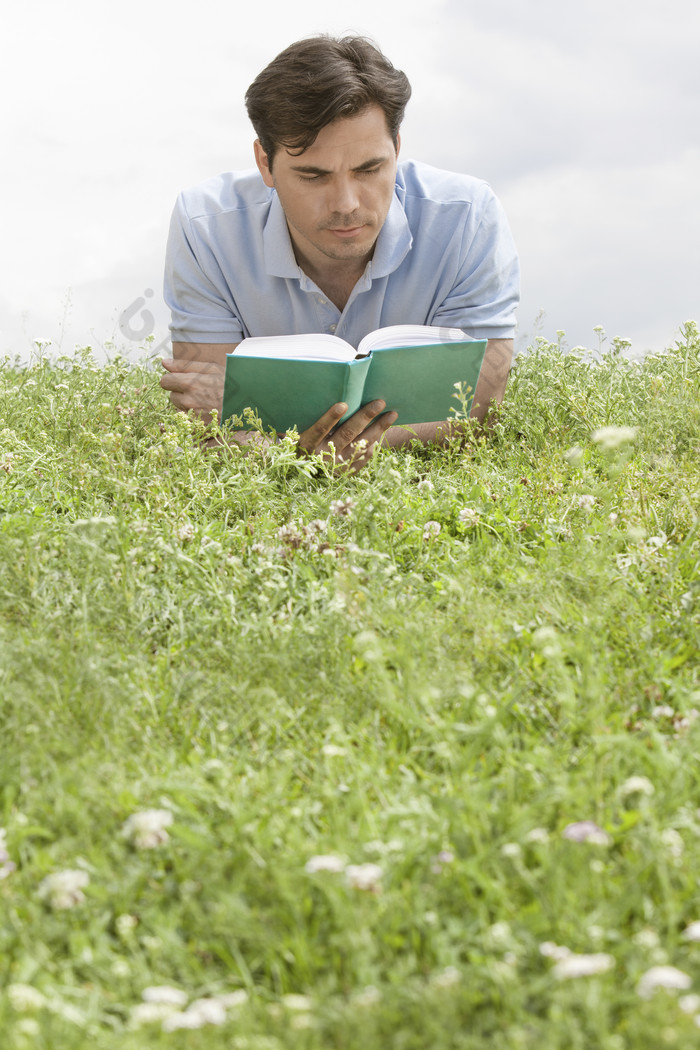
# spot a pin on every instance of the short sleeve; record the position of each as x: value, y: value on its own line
x: 486, y: 291
x: 194, y: 288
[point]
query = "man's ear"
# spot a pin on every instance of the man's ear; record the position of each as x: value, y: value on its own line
x: 263, y: 163
x: 398, y: 143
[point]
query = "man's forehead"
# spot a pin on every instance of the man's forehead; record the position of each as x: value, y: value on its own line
x: 357, y: 139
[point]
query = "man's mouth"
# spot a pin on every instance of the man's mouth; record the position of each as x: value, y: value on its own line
x: 346, y: 231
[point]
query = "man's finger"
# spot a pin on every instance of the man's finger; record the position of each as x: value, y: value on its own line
x: 354, y: 427
x: 203, y: 367
x: 315, y: 434
x: 183, y: 383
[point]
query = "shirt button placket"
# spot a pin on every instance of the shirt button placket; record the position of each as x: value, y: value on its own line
x: 327, y: 315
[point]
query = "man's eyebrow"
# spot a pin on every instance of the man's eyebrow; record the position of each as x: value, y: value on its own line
x: 311, y: 169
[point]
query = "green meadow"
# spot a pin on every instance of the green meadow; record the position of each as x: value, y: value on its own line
x: 404, y: 759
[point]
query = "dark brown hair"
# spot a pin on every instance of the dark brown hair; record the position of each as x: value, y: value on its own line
x: 318, y: 80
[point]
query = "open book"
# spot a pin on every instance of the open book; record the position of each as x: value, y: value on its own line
x: 291, y: 380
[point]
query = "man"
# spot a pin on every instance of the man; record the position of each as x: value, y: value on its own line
x: 332, y: 234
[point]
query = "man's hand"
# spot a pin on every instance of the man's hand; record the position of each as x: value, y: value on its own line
x: 195, y: 385
x: 354, y: 440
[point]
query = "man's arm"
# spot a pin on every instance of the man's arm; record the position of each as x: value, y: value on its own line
x: 490, y: 387
x: 195, y: 378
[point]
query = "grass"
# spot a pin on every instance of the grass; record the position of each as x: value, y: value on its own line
x: 436, y: 668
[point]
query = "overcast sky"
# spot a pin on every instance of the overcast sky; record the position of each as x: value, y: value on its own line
x: 584, y: 118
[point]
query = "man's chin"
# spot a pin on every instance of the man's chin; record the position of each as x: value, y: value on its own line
x: 358, y: 247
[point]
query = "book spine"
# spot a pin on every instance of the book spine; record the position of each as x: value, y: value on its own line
x: 353, y: 387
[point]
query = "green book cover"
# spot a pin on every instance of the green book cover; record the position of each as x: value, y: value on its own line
x: 418, y: 382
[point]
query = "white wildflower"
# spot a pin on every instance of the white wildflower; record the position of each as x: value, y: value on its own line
x: 185, y: 532
x: 146, y: 829
x: 550, y: 950
x: 333, y: 751
x: 342, y: 508
x: 574, y: 456
x: 172, y: 1022
x: 294, y: 1001
x: 25, y: 998
x: 208, y: 1011
x: 369, y: 996
x: 586, y: 502
x: 690, y: 1004
x: 150, y: 1013
x: 692, y: 932
x: 468, y: 516
x: 446, y: 978
x: 67, y: 1011
x: 364, y: 877
x: 637, y: 786
x: 611, y: 438
x: 539, y: 836
x: 431, y: 529
x: 229, y: 1000
x: 125, y: 924
x: 445, y: 856
x: 546, y: 640
x: 425, y: 485
x: 213, y: 546
x: 511, y: 849
x: 500, y: 934
x: 325, y: 862
x: 646, y: 938
x: 582, y: 965
x: 663, y: 711
x: 667, y: 977
x: 378, y: 846
x: 290, y: 535
x: 7, y: 866
x: 302, y: 1021
x: 586, y: 831
x: 164, y: 993
x: 64, y: 889
x: 30, y: 1027
x: 673, y: 842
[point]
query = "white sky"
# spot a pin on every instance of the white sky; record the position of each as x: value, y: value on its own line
x: 584, y: 117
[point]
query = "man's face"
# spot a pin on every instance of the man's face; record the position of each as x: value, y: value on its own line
x: 336, y: 194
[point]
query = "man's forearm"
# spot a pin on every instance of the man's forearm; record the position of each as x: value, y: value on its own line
x: 490, y: 387
x: 439, y: 432
x: 493, y: 377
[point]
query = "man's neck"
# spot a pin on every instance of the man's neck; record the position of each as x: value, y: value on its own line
x: 336, y: 279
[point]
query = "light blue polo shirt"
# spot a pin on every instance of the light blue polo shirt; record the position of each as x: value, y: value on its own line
x: 444, y: 256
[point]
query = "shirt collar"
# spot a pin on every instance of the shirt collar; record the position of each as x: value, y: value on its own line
x: 393, y: 244
x: 277, y: 244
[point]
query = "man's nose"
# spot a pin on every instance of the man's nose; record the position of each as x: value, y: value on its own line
x: 344, y: 196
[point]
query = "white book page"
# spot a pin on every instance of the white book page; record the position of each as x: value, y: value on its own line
x: 410, y: 335
x: 313, y: 346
